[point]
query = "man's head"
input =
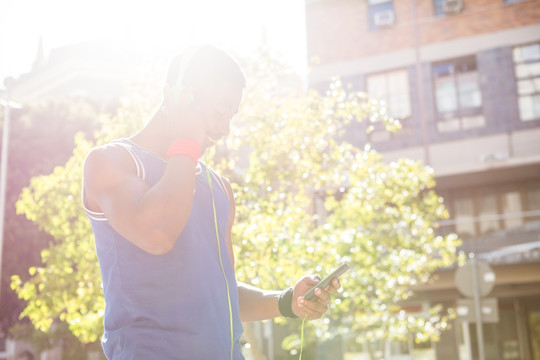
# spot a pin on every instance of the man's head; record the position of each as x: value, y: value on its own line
x: 201, y: 68
x: 210, y: 80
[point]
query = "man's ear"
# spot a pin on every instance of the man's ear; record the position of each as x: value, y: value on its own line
x: 177, y: 96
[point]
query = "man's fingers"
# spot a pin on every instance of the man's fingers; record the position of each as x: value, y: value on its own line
x: 336, y: 284
x: 312, y: 280
x: 323, y: 296
x: 317, y: 306
x: 314, y: 309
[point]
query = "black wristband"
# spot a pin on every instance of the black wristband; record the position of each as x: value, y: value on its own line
x: 285, y: 303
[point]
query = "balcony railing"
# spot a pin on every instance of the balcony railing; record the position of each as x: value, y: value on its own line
x: 519, y: 243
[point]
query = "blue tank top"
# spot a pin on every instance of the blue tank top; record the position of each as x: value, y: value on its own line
x: 170, y: 306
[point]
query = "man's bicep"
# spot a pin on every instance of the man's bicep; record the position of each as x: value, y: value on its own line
x: 119, y: 201
x: 110, y: 187
x: 122, y: 197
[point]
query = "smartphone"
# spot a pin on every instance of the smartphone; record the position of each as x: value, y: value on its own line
x: 327, y: 280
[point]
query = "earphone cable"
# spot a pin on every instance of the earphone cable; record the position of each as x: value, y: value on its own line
x: 220, y: 257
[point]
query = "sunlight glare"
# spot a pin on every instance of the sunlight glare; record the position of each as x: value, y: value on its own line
x: 159, y: 26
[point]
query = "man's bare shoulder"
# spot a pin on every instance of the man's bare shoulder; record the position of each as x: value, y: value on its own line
x: 106, y: 165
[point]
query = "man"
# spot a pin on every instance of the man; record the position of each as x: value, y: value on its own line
x: 162, y: 224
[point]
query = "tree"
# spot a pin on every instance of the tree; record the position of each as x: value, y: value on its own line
x: 286, y: 158
x: 68, y: 286
x: 41, y: 138
x: 381, y: 216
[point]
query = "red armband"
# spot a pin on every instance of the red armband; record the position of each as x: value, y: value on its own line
x: 186, y: 147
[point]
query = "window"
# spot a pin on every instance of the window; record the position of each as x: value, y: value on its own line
x: 381, y: 13
x: 511, y: 205
x: 393, y: 89
x: 480, y: 211
x: 488, y: 219
x: 447, y: 7
x: 457, y: 95
x: 527, y: 71
x: 438, y: 7
x: 464, y: 216
x: 533, y: 202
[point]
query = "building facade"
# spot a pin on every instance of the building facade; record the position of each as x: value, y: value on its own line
x: 464, y: 78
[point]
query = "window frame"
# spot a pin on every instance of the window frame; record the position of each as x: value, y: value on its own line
x: 532, y: 78
x: 504, y: 218
x: 461, y: 118
x: 379, y: 133
x: 377, y: 6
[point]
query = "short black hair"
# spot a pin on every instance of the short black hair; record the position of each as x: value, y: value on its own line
x: 203, y: 66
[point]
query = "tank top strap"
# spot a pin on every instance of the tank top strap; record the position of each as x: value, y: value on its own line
x: 216, y: 178
x: 128, y: 146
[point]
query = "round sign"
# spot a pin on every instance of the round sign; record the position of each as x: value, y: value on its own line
x: 464, y: 278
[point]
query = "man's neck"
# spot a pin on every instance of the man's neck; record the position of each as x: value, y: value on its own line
x: 154, y: 136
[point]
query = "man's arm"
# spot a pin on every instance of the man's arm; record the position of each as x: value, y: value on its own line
x: 257, y: 304
x: 150, y: 217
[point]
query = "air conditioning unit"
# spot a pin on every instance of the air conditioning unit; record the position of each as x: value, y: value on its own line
x: 452, y: 6
x: 383, y: 18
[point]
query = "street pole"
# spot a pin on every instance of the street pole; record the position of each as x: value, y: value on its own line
x: 420, y: 85
x: 3, y: 179
x: 467, y: 340
x: 478, y: 310
x: 8, y: 104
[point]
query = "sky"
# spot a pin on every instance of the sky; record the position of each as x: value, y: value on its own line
x: 163, y: 26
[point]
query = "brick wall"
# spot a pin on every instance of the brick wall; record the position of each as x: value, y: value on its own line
x: 337, y: 30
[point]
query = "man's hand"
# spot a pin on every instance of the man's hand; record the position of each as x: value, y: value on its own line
x: 317, y: 306
x: 185, y: 115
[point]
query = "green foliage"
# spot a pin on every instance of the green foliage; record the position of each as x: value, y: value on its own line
x: 41, y: 137
x: 58, y: 335
x: 306, y: 200
x: 68, y: 286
